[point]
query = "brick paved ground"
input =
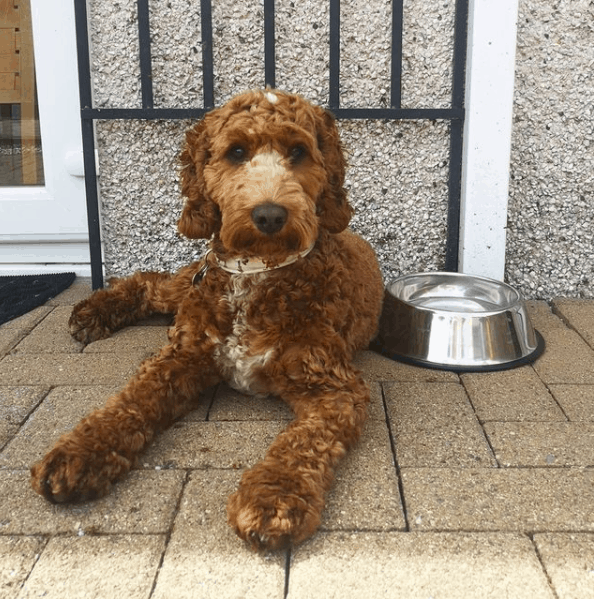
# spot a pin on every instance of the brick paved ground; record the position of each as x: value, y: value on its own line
x: 479, y: 485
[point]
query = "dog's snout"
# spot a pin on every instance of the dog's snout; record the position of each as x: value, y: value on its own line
x: 269, y: 218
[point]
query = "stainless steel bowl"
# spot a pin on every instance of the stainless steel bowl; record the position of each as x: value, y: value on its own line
x: 458, y: 322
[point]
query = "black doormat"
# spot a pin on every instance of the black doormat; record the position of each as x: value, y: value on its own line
x: 19, y: 294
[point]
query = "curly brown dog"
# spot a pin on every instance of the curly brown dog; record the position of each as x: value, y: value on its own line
x: 280, y: 304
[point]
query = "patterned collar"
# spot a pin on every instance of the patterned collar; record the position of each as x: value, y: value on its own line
x: 244, y: 266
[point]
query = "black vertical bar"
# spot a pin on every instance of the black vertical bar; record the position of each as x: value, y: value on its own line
x: 334, y: 66
x: 144, y: 46
x: 82, y: 49
x: 454, y: 189
x: 269, y: 46
x: 207, y: 53
x: 459, y: 55
x: 456, y: 136
x: 88, y: 138
x: 396, y: 74
x: 92, y: 193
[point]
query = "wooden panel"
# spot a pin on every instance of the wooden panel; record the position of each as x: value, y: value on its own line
x: 9, y: 63
x: 7, y: 84
x: 9, y: 13
x: 7, y: 41
x: 10, y: 97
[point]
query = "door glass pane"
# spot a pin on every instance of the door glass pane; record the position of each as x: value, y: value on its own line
x: 20, y: 141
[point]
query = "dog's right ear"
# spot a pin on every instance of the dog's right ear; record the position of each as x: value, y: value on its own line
x: 200, y: 216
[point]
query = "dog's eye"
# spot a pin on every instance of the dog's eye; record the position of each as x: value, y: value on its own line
x: 297, y: 153
x: 237, y: 154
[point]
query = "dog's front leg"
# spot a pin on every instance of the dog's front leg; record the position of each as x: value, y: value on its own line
x: 280, y: 501
x: 104, y: 445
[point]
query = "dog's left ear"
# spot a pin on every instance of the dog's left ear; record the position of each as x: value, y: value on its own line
x: 334, y: 210
x: 200, y: 216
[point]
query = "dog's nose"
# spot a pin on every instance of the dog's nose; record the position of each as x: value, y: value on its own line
x: 269, y: 218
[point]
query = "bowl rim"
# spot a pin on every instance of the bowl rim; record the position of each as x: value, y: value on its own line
x: 518, y: 301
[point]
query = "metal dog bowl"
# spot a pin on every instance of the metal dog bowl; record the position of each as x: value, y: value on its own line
x: 453, y: 321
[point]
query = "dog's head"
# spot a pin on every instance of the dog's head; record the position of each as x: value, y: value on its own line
x: 263, y: 173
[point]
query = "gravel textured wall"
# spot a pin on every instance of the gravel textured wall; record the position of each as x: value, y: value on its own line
x: 550, y: 248
x: 398, y: 170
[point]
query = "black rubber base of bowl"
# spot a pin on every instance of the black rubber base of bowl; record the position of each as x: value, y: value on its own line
x: 540, y: 347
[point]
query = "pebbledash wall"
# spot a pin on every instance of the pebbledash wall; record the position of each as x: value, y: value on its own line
x: 398, y: 170
x: 550, y: 247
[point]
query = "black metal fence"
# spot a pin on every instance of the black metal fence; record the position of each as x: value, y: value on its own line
x: 454, y: 114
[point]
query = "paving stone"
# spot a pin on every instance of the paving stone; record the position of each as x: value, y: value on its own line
x: 200, y: 412
x: 79, y: 290
x: 434, y: 425
x: 511, y: 395
x: 9, y: 338
x: 365, y: 494
x: 379, y: 368
x: 569, y: 562
x: 69, y: 369
x: 16, y: 403
x: 369, y: 500
x: 362, y: 537
x: 204, y: 557
x: 376, y: 409
x: 148, y: 338
x: 425, y: 565
x: 372, y: 451
x: 51, y: 336
x: 27, y: 321
x: 229, y: 404
x: 59, y: 412
x: 96, y: 567
x: 543, y: 443
x: 211, y: 445
x: 542, y: 317
x: 224, y: 444
x: 375, y: 502
x: 17, y: 556
x: 579, y: 314
x: 567, y: 357
x: 141, y: 503
x: 577, y: 401
x: 510, y: 499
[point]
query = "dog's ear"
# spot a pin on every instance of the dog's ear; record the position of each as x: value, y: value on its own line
x: 334, y: 210
x: 200, y: 216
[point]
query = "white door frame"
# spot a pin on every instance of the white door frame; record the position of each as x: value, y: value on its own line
x: 48, y: 228
x: 492, y: 26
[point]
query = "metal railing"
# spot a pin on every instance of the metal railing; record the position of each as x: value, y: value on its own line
x: 454, y: 114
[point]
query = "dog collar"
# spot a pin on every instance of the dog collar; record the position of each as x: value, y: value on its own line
x: 244, y: 266
x: 249, y: 266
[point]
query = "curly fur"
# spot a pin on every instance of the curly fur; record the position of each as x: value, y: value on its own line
x: 290, y: 331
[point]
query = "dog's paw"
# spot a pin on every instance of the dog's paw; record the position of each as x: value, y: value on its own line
x: 66, y: 475
x: 90, y: 321
x: 273, y: 510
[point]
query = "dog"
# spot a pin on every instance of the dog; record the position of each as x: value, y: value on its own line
x: 281, y: 302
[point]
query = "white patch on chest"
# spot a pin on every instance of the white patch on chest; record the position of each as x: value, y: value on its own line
x: 239, y: 365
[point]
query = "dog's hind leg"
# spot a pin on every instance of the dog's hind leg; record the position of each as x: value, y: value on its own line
x: 104, y: 445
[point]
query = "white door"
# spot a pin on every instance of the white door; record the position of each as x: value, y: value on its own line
x: 43, y: 226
